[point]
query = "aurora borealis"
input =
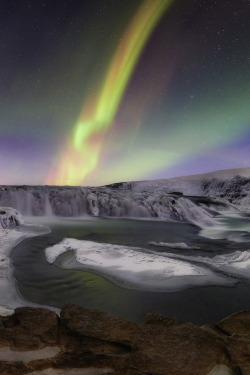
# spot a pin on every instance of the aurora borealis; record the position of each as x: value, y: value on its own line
x: 94, y: 92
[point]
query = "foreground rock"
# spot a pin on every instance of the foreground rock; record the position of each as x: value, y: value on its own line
x: 82, y: 341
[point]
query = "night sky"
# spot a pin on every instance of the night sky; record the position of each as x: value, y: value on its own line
x: 99, y: 91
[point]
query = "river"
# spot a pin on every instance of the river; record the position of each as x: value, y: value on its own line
x: 54, y: 284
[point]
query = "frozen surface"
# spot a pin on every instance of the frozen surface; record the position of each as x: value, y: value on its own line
x: 9, y: 296
x: 235, y: 264
x: 134, y: 267
x: 176, y: 245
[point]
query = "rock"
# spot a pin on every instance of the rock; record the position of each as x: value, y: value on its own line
x: 85, y: 340
x: 245, y: 369
x: 173, y: 349
x: 97, y: 324
x: 237, y: 329
x: 176, y: 350
x: 162, y: 320
x: 214, y: 330
x: 13, y: 368
x: 239, y: 352
x: 29, y: 328
x: 238, y: 323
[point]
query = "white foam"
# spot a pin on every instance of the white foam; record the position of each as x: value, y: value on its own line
x: 232, y: 226
x: 174, y: 245
x: 134, y: 267
x: 221, y: 232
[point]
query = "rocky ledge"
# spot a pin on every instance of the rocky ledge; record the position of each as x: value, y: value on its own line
x: 88, y: 342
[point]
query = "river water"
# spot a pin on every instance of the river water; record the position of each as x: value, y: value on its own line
x: 54, y: 284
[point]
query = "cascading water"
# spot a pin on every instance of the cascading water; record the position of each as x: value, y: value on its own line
x: 102, y: 201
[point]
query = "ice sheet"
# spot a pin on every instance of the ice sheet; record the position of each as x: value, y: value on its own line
x: 134, y: 267
x: 175, y: 245
x: 235, y: 264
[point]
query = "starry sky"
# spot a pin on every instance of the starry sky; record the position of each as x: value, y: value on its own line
x: 99, y: 91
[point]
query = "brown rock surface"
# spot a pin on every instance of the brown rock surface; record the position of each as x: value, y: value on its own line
x: 238, y: 324
x: 89, y: 338
x: 158, y: 349
x: 98, y: 325
x: 161, y: 320
x: 29, y: 328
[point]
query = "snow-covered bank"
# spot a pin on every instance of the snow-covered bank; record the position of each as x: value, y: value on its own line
x: 135, y: 268
x: 9, y: 217
x: 235, y: 264
x: 177, y: 245
x: 9, y: 238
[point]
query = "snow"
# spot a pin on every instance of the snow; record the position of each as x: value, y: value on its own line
x: 221, y: 370
x: 133, y: 267
x: 137, y: 201
x: 236, y: 263
x: 74, y: 371
x: 5, y: 312
x: 10, y: 237
x: 6, y: 354
x: 176, y: 245
x: 10, y: 217
x: 158, y: 199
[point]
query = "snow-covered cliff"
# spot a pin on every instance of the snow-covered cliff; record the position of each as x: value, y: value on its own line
x: 235, y: 190
x: 193, y: 198
x: 119, y: 200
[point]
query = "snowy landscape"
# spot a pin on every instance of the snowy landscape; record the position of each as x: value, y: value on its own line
x: 125, y: 187
x: 218, y: 207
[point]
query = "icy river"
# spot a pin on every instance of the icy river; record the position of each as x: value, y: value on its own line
x: 132, y: 267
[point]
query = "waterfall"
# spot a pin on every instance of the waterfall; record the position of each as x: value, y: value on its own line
x: 47, y: 206
x: 102, y: 201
